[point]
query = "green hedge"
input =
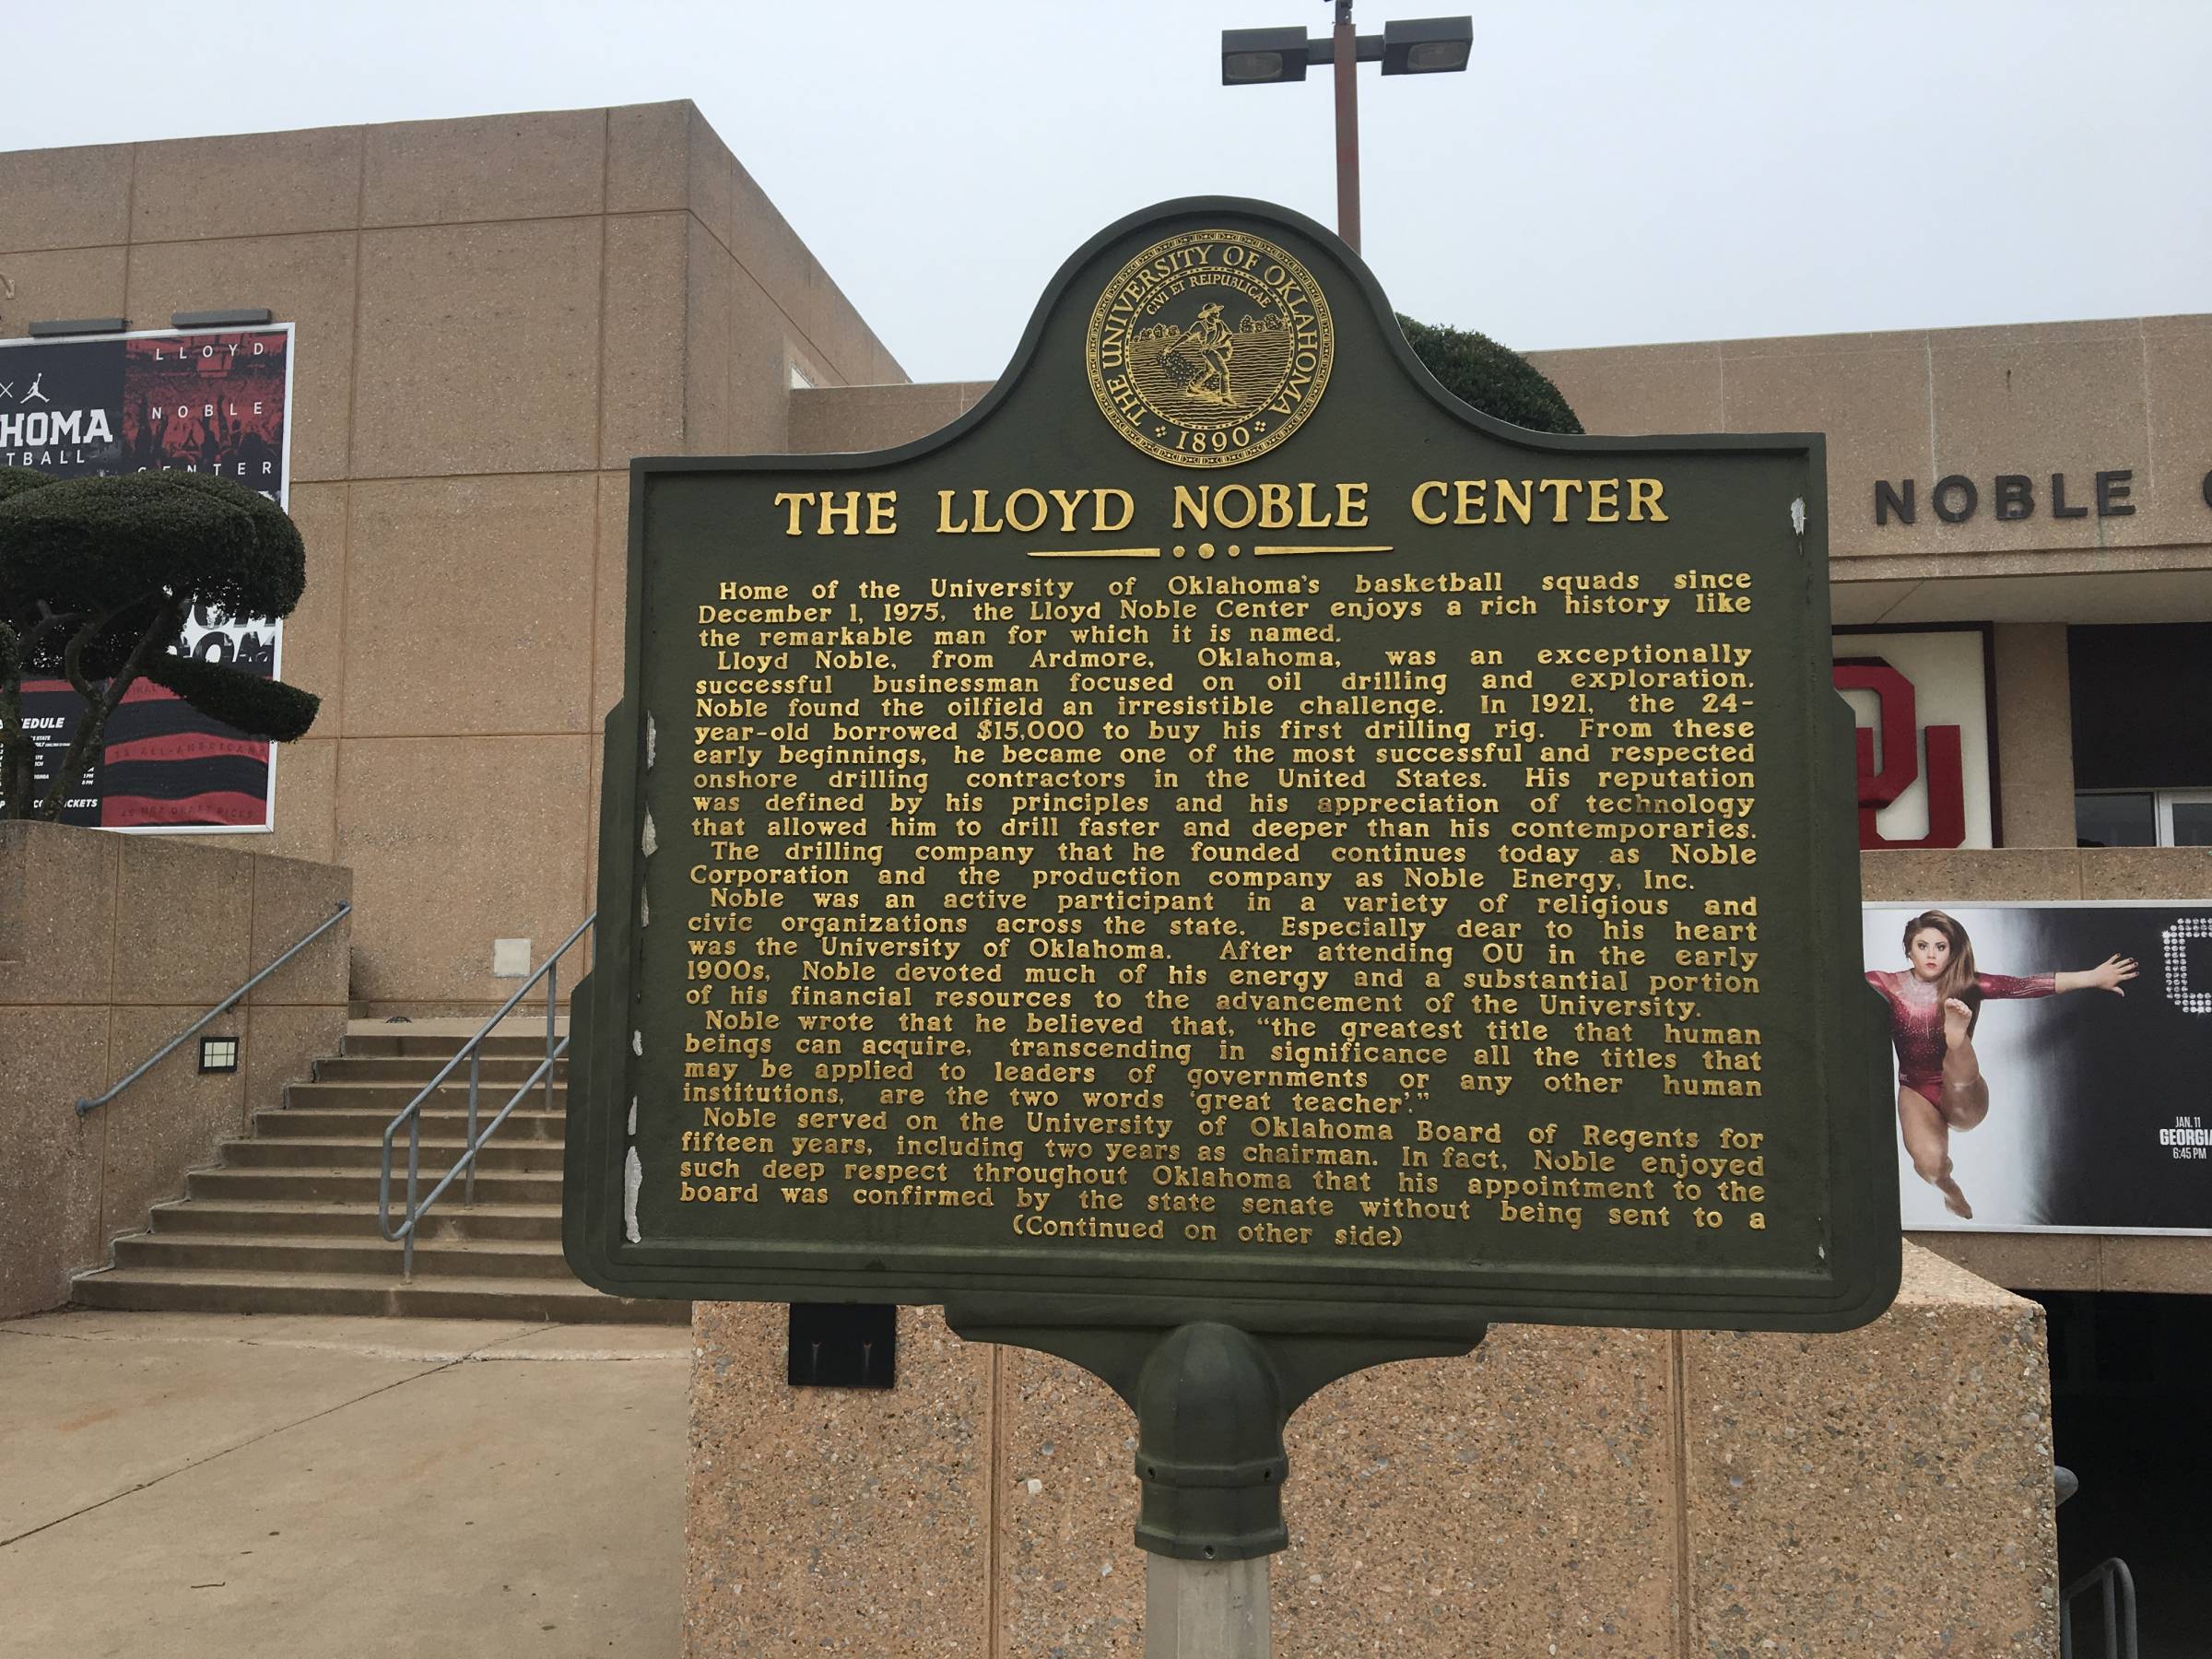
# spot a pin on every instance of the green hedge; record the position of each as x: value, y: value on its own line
x: 1498, y: 380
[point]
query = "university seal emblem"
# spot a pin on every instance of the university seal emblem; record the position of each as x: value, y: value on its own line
x: 1209, y: 348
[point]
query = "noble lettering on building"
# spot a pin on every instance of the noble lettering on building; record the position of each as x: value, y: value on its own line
x: 1226, y: 830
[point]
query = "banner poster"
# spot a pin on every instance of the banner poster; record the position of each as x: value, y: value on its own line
x: 1921, y: 697
x: 217, y: 402
x: 2071, y: 1092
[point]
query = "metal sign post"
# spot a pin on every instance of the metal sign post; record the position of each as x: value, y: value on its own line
x: 1211, y: 1401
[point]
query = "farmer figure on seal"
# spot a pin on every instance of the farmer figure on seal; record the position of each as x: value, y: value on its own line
x: 1210, y: 342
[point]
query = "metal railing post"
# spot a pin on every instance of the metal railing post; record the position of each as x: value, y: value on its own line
x: 476, y: 1072
x: 406, y: 1251
x: 552, y: 1001
x: 2115, y: 1588
x: 465, y: 1167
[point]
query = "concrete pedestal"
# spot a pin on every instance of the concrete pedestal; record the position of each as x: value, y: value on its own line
x: 1578, y: 1492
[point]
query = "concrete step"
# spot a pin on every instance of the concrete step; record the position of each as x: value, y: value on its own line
x: 203, y: 1290
x: 328, y: 1219
x: 366, y: 1152
x: 391, y: 1099
x: 358, y: 1185
x: 288, y: 1222
x: 284, y: 1253
x: 400, y: 1044
x: 318, y: 1122
x: 384, y: 1068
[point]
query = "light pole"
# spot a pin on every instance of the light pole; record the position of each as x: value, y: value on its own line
x: 1413, y: 46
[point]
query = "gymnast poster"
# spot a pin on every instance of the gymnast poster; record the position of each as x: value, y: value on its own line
x: 2051, y: 1064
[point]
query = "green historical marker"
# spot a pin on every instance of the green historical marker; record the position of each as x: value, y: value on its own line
x: 1225, y: 836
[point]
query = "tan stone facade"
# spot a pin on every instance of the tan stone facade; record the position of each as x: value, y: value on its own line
x: 2129, y: 395
x: 493, y: 317
x: 109, y: 946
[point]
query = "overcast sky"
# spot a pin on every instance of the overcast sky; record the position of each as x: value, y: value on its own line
x: 1610, y: 171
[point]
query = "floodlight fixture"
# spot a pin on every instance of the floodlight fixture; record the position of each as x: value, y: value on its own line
x: 1254, y: 57
x: 1428, y: 45
x: 1259, y: 57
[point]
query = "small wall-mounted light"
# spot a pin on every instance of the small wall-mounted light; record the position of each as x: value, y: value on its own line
x: 54, y: 328
x: 218, y: 1053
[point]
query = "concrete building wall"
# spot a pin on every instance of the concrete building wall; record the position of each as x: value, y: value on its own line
x: 109, y: 946
x: 2035, y: 735
x: 2131, y: 393
x: 494, y: 316
x: 2125, y: 395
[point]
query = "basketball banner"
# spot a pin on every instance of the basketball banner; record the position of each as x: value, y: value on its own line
x: 212, y: 401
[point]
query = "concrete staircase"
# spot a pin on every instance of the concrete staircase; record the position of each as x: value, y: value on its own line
x: 286, y: 1222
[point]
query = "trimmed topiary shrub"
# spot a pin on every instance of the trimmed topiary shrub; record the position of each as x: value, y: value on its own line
x: 96, y: 577
x: 1497, y: 380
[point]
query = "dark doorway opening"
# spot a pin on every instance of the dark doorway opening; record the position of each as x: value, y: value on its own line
x: 2131, y: 1408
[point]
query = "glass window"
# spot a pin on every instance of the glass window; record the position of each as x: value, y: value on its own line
x: 2143, y: 818
x: 2189, y: 818
x: 2116, y: 820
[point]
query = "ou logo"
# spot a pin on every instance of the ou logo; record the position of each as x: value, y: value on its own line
x: 1898, y: 767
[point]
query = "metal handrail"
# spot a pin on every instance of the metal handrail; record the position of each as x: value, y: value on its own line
x: 2114, y: 1587
x: 86, y: 1107
x: 465, y: 1165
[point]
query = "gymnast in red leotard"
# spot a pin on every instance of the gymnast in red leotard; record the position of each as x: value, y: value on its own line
x: 1934, y: 1004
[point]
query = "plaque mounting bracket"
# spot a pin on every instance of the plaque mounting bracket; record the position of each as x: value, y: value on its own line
x: 1211, y: 1401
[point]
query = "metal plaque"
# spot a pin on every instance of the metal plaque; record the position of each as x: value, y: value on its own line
x: 1225, y: 831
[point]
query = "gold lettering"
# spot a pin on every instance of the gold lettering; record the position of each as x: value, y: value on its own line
x: 1559, y: 489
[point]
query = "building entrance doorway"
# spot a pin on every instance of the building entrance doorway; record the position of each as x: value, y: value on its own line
x: 2131, y: 1396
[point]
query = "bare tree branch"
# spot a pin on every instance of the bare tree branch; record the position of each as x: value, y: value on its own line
x: 18, y: 750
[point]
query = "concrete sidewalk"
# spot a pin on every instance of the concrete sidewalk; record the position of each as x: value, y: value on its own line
x: 215, y: 1485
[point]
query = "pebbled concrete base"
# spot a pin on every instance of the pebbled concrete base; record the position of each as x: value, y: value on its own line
x: 1593, y: 1493
x: 210, y: 1484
